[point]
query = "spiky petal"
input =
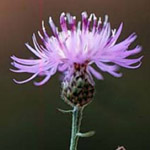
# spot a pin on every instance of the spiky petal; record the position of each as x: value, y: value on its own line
x: 87, y: 42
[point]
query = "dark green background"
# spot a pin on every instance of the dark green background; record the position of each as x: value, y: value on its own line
x: 120, y: 112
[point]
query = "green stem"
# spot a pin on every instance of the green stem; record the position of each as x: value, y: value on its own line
x: 76, y: 123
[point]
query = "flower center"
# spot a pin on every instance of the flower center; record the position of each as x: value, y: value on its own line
x: 79, y: 67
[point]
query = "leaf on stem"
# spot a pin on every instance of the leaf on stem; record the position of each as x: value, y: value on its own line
x: 87, y: 134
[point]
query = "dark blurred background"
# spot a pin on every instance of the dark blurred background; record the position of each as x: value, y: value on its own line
x: 120, y: 112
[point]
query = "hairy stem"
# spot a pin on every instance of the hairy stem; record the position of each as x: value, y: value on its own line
x: 76, y: 123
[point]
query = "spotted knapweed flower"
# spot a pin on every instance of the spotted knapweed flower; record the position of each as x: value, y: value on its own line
x: 75, y: 48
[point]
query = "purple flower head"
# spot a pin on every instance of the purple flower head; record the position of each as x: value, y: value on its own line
x: 84, y: 43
